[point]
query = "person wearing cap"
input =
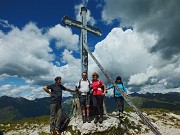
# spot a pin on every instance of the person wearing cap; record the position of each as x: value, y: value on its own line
x: 99, y: 90
x: 117, y: 95
x: 55, y: 91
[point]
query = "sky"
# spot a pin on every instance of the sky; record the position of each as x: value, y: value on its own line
x: 140, y: 43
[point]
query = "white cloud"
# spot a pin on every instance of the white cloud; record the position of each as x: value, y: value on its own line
x: 26, y: 54
x: 67, y: 57
x: 157, y: 88
x: 26, y: 91
x: 13, y: 90
x: 64, y: 37
x: 142, y: 78
x: 5, y: 24
x: 125, y: 53
x: 3, y: 76
x: 5, y: 88
x: 161, y: 18
x: 36, y: 93
x: 89, y: 18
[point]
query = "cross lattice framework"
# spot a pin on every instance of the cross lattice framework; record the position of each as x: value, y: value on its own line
x: 84, y: 29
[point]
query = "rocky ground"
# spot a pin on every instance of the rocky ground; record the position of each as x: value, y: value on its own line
x: 166, y: 123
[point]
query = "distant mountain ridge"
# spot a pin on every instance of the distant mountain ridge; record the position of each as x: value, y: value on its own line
x: 17, y: 108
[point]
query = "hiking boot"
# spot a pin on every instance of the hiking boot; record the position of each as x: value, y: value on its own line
x: 101, y: 120
x: 51, y: 132
x: 96, y: 119
x: 88, y: 120
x: 84, y: 119
x: 57, y: 132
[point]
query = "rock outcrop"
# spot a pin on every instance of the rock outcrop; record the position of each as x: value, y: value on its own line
x: 166, y: 123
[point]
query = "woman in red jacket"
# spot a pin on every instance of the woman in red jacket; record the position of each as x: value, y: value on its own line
x: 99, y: 90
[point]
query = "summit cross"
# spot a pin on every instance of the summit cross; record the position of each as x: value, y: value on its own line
x: 84, y: 29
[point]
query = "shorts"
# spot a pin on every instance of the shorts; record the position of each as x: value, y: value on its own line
x: 84, y: 100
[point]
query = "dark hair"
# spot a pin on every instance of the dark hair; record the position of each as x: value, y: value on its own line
x: 57, y: 78
x: 118, y: 78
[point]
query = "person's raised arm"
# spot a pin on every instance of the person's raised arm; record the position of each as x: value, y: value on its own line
x: 109, y: 87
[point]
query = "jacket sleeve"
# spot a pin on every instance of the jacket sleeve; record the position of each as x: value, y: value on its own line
x: 110, y: 86
x: 124, y: 89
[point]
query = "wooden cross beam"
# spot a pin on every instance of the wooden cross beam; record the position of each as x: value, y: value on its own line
x: 84, y: 29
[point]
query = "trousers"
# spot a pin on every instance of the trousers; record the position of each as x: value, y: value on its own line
x: 98, y: 104
x: 55, y: 116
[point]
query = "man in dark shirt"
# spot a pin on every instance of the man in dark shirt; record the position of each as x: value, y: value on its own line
x: 55, y: 91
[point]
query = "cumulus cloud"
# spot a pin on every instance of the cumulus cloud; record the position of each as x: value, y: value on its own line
x: 12, y: 90
x: 26, y: 91
x: 125, y: 53
x: 157, y: 88
x: 143, y: 78
x: 64, y: 37
x: 156, y: 17
x: 24, y: 52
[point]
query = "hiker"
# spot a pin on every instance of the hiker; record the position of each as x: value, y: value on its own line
x: 83, y: 89
x: 99, y: 90
x: 117, y: 95
x: 55, y: 91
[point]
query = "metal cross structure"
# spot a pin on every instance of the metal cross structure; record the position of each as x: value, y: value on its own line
x: 84, y: 29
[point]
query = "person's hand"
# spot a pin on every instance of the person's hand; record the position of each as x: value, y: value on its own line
x: 79, y: 92
x: 103, y: 93
x: 77, y: 89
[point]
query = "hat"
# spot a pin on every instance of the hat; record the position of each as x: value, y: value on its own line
x: 118, y: 78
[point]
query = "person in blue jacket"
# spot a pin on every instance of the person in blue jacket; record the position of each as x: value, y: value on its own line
x: 117, y: 95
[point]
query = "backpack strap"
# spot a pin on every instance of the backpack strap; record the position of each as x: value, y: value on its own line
x: 123, y: 86
x: 79, y: 86
x: 89, y: 84
x: 100, y: 85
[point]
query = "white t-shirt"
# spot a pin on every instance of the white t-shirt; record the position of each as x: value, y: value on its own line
x: 84, y: 86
